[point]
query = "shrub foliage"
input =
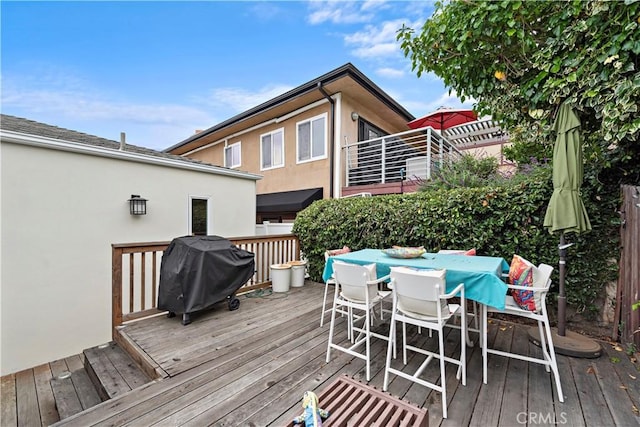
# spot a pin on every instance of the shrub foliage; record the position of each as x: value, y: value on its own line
x: 497, y: 221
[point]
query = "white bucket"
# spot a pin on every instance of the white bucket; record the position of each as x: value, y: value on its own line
x: 298, y: 270
x: 280, y: 277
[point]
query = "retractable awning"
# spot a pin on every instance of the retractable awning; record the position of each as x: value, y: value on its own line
x: 287, y: 201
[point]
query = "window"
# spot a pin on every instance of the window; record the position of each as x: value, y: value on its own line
x: 199, y: 216
x: 272, y: 149
x: 232, y: 157
x: 312, y: 139
x: 368, y: 131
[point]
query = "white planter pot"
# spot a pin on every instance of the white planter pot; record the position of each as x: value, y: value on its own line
x: 280, y: 277
x: 298, y: 270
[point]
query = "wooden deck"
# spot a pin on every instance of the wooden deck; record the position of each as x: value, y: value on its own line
x: 251, y: 367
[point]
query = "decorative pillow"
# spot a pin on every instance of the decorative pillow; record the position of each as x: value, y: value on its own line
x: 521, y: 273
x: 404, y: 252
x: 345, y: 249
x: 470, y: 252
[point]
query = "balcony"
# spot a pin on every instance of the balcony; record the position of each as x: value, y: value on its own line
x: 395, y: 163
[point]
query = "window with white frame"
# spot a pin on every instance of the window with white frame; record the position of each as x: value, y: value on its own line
x: 272, y: 149
x: 232, y: 157
x: 312, y: 138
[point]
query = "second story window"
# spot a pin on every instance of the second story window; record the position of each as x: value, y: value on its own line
x: 232, y: 155
x: 272, y: 149
x: 312, y: 138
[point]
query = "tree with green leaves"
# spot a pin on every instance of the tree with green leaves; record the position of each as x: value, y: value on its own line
x: 521, y: 59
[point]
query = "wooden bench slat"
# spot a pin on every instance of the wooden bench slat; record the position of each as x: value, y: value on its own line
x: 351, y: 402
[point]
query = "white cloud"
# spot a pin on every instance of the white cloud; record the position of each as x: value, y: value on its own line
x: 419, y: 107
x: 375, y: 41
x: 240, y: 99
x: 62, y: 99
x: 392, y: 73
x: 340, y: 12
x: 84, y: 105
x: 375, y: 5
x: 266, y: 11
x: 451, y: 101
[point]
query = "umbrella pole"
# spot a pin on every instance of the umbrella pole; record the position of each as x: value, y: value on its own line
x: 562, y: 299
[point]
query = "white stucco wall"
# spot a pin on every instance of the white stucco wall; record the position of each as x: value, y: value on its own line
x: 61, y: 211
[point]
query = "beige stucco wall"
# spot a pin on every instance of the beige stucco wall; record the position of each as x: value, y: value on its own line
x: 296, y: 176
x: 61, y: 212
x: 293, y: 175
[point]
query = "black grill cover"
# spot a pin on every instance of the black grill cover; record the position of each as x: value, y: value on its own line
x: 200, y: 271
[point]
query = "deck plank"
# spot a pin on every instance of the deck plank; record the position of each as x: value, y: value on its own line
x: 9, y: 411
x: 87, y: 393
x: 252, y: 366
x: 254, y: 317
x: 628, y: 373
x: 340, y: 364
x: 46, y: 400
x: 246, y: 355
x: 242, y: 386
x: 112, y: 382
x: 570, y: 412
x: 517, y: 381
x: 27, y: 399
x: 262, y: 391
x: 490, y: 399
x: 594, y: 406
x: 133, y: 376
x: 463, y: 405
x: 67, y: 399
x: 616, y: 393
x: 541, y: 393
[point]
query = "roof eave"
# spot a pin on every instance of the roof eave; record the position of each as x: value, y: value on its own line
x: 343, y: 71
x: 75, y: 147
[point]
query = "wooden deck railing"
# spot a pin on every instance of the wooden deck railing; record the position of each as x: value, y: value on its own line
x: 136, y: 271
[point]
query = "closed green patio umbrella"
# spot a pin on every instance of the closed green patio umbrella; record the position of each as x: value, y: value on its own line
x: 566, y: 212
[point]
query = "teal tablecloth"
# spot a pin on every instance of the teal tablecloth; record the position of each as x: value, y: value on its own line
x: 481, y: 275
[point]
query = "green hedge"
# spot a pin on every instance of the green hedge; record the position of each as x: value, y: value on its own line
x: 497, y: 221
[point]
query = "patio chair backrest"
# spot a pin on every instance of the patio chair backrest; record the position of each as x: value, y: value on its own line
x: 353, y: 279
x: 419, y: 291
x: 542, y: 276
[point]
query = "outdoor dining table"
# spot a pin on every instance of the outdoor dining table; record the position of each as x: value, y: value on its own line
x: 481, y: 275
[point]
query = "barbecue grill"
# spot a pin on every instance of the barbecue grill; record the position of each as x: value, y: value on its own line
x: 199, y: 271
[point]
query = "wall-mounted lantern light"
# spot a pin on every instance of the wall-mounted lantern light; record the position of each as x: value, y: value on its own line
x: 354, y: 116
x: 137, y: 205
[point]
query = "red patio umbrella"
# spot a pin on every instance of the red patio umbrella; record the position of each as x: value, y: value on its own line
x: 444, y: 118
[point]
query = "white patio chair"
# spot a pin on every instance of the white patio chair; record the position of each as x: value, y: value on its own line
x: 419, y: 299
x: 356, y: 289
x: 473, y: 315
x: 330, y: 281
x: 541, y: 284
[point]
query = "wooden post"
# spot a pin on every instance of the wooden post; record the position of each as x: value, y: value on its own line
x: 116, y: 289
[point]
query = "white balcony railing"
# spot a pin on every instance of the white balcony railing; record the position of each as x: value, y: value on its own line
x: 409, y: 155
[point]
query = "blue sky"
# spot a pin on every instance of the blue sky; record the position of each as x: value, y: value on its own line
x: 159, y: 70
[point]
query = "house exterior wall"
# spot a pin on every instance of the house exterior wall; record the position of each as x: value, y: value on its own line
x: 310, y: 174
x: 293, y: 175
x: 60, y: 213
